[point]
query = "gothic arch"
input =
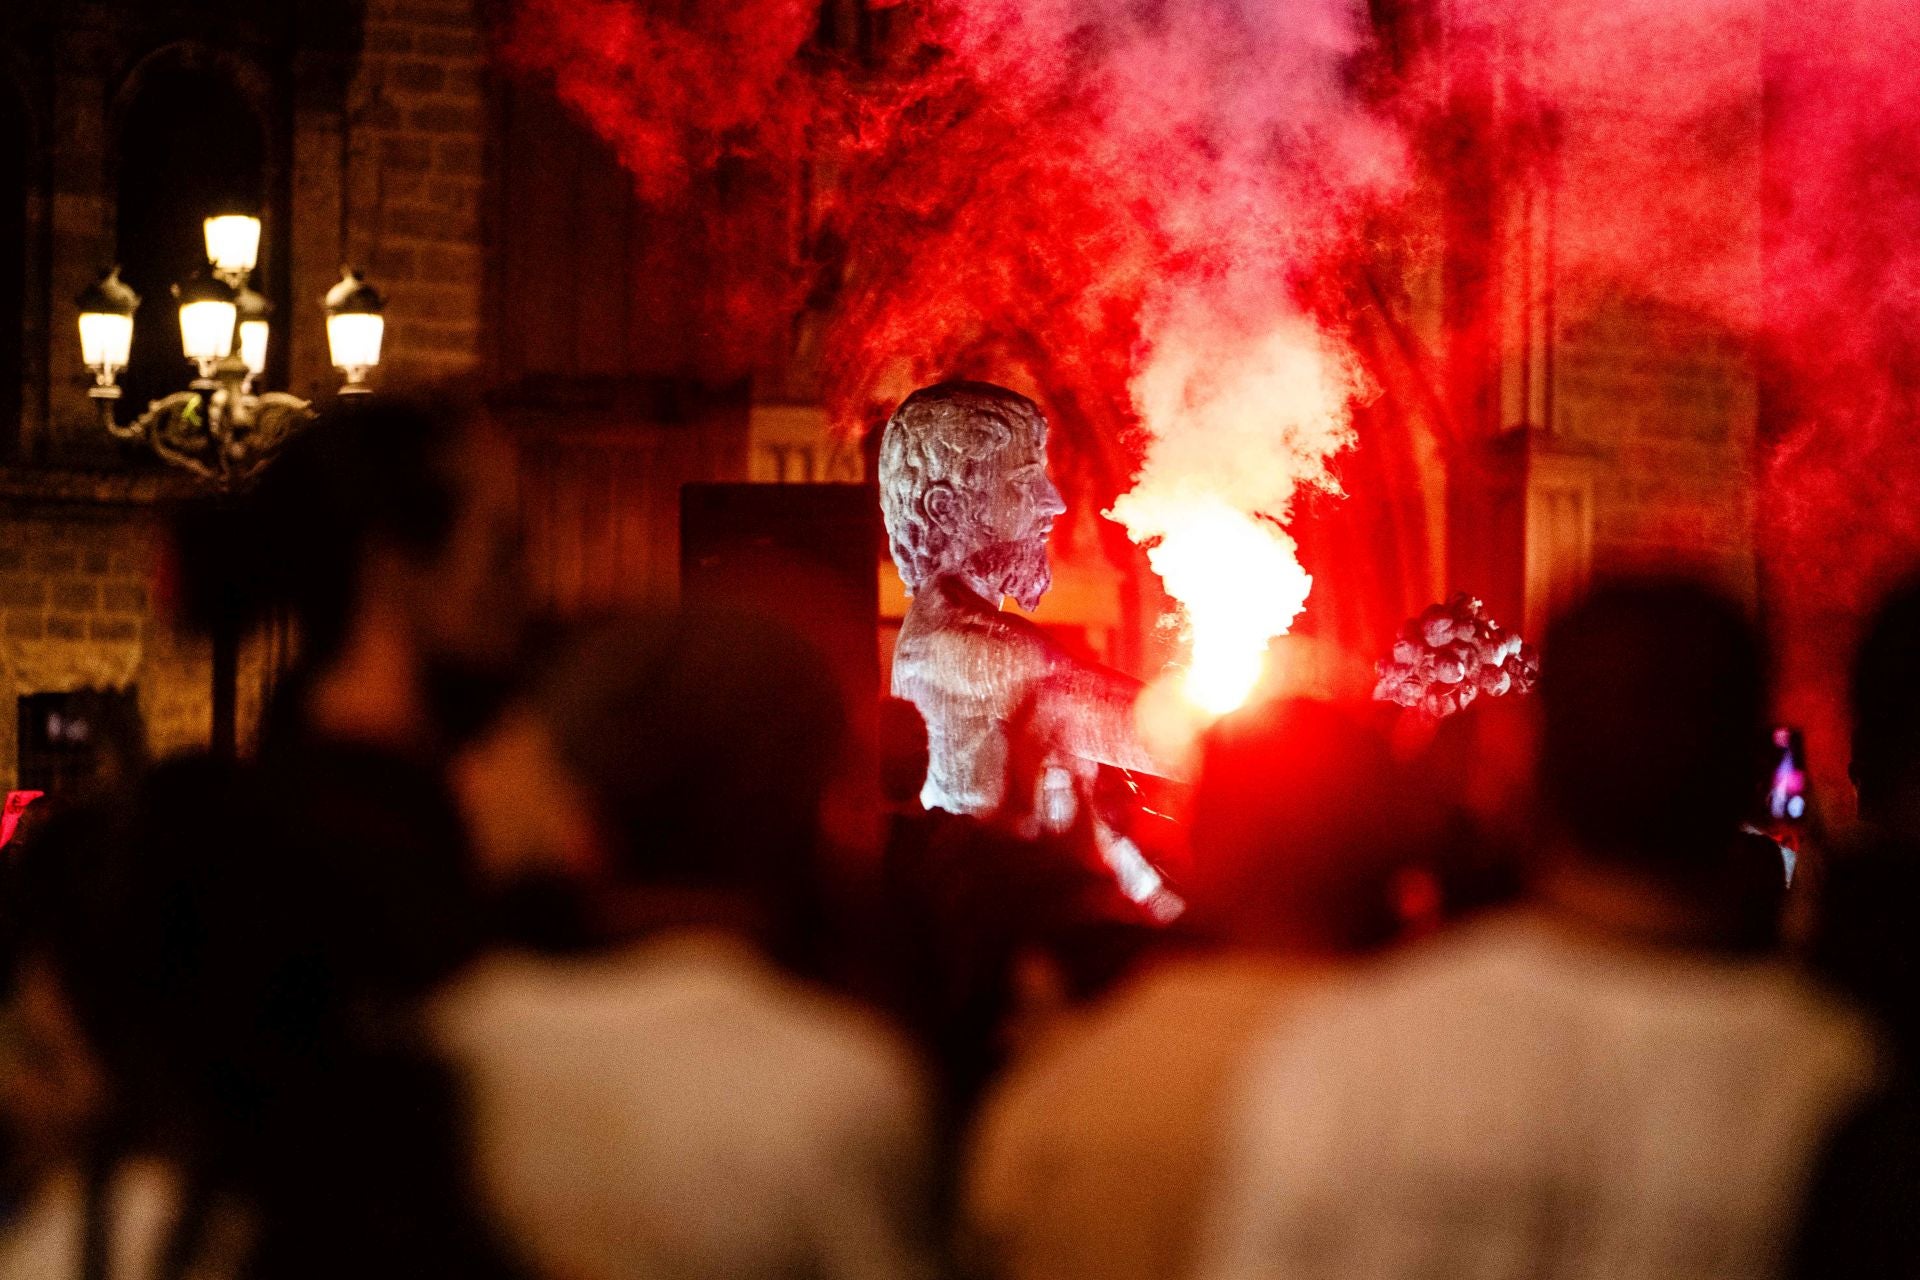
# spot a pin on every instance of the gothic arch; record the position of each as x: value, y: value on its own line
x: 243, y: 74
x: 190, y: 127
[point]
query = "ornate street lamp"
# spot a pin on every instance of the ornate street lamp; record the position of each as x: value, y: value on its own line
x: 208, y: 314
x: 106, y: 330
x: 219, y: 428
x: 233, y: 245
x: 250, y: 338
x: 355, y: 325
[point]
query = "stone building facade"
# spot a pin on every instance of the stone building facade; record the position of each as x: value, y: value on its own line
x: 1559, y: 441
x: 361, y: 134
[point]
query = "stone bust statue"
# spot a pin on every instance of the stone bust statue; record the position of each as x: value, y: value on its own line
x: 968, y: 505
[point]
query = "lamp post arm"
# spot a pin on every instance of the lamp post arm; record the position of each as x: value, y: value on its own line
x: 182, y: 438
x: 217, y: 432
x: 140, y: 426
x: 277, y: 417
x: 164, y: 427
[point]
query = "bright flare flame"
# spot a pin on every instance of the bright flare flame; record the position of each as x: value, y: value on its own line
x: 1238, y: 426
x: 1240, y: 583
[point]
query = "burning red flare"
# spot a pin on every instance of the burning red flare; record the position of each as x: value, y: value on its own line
x: 1083, y: 196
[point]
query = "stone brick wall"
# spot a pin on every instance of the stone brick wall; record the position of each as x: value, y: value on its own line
x: 384, y: 138
x: 1669, y: 402
x: 379, y: 134
x: 417, y: 118
x: 388, y: 168
x: 77, y: 612
x: 1629, y: 400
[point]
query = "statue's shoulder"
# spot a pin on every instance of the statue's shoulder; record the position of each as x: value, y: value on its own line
x: 965, y: 615
x: 951, y: 643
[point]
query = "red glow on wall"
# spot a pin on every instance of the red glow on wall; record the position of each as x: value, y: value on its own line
x: 16, y: 806
x: 991, y: 196
x: 1026, y: 189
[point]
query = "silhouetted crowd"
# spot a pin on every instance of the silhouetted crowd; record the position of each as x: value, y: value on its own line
x: 625, y: 950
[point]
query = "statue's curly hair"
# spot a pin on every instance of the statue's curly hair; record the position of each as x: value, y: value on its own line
x: 952, y: 434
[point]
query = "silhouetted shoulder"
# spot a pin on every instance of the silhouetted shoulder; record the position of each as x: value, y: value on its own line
x: 686, y: 1081
x: 1860, y: 1221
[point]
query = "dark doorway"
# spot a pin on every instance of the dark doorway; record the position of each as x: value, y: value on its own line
x: 80, y: 741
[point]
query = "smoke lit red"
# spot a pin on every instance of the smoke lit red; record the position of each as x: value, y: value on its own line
x: 1142, y: 213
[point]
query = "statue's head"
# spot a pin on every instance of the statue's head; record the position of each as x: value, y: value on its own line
x: 964, y: 489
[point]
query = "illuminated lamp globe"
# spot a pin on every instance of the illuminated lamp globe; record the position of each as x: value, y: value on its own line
x: 355, y: 325
x: 106, y: 325
x: 207, y: 315
x: 252, y: 345
x: 233, y: 244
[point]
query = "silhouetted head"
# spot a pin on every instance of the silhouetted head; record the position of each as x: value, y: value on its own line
x: 1886, y: 712
x: 698, y: 749
x: 1298, y: 826
x: 1756, y: 883
x: 1652, y: 744
x: 405, y: 504
x: 220, y: 958
x: 1479, y: 771
x: 964, y: 489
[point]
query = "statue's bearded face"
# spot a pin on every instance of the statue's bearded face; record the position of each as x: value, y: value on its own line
x: 1013, y: 513
x: 964, y: 490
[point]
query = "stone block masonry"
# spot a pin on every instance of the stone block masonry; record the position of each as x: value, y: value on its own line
x: 384, y: 165
x: 77, y: 611
x: 417, y: 123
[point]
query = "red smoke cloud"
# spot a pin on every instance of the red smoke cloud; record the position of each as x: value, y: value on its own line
x: 1760, y: 164
x: 1123, y: 206
x: 1066, y: 191
x: 1840, y: 478
x: 1757, y: 164
x: 1015, y: 187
